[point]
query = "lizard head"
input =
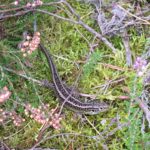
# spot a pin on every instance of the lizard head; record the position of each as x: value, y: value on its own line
x: 97, y: 108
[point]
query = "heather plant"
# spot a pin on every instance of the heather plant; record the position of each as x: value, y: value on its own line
x: 100, y: 49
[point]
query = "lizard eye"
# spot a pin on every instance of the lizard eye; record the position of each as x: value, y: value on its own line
x: 93, y: 112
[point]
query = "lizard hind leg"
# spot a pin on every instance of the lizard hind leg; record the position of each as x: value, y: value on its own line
x: 72, y: 90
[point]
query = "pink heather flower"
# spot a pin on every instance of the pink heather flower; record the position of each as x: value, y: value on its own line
x: 103, y: 122
x: 33, y: 4
x: 29, y: 44
x: 4, y: 94
x: 42, y: 115
x: 55, y: 121
x: 28, y: 4
x: 37, y: 34
x: 26, y: 43
x: 28, y: 37
x: 17, y: 120
x: 5, y: 115
x: 23, y: 50
x: 38, y: 2
x: 35, y: 113
x: 140, y: 65
x: 24, y: 55
x: 16, y: 2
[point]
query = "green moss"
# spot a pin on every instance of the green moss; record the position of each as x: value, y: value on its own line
x: 70, y: 49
